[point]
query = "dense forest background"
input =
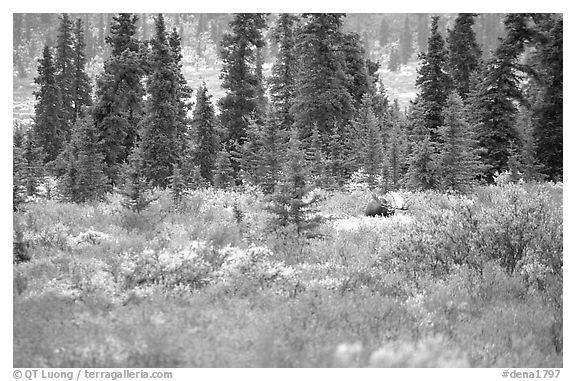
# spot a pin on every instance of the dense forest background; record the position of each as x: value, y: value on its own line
x: 290, y: 97
x: 201, y: 33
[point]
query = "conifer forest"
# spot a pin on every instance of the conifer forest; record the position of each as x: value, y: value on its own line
x: 287, y: 190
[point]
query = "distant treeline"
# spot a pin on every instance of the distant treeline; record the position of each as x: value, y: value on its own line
x: 201, y: 32
x: 321, y: 118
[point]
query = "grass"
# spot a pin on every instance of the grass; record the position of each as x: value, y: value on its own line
x: 194, y: 287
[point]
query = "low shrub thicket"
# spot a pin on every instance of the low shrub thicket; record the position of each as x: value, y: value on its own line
x: 456, y: 280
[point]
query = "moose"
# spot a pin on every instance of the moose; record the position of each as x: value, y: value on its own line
x: 385, y: 206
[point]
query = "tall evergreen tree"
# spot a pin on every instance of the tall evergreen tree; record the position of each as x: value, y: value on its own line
x: 322, y: 95
x: 529, y: 167
x: 119, y: 106
x: 163, y: 127
x: 394, y: 161
x: 49, y: 126
x: 17, y: 44
x: 135, y: 186
x: 372, y: 149
x: 261, y: 98
x: 422, y: 173
x: 339, y: 163
x: 82, y: 88
x: 251, y: 153
x: 384, y: 32
x: 406, y: 43
x: 205, y: 134
x: 356, y: 70
x: 273, y: 144
x: 316, y: 159
x: 177, y: 185
x: 224, y: 172
x: 84, y: 178
x: 433, y: 81
x: 33, y: 170
x: 289, y: 203
x: 458, y: 163
x: 394, y: 61
x: 28, y: 164
x: 548, y: 123
x: 422, y: 32
x: 239, y: 78
x: 463, y: 52
x: 283, y: 79
x: 18, y: 172
x: 184, y: 92
x: 65, y: 70
x: 493, y: 101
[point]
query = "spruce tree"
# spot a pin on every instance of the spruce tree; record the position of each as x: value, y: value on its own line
x: 463, y: 52
x: 394, y: 61
x: 384, y: 32
x: 372, y: 152
x: 530, y: 168
x: 422, y: 32
x: 393, y: 167
x: 239, y: 77
x: 177, y: 185
x: 163, y: 129
x: 224, y: 172
x: 66, y: 71
x: 251, y: 153
x: 356, y: 70
x: 494, y: 98
x: 322, y: 95
x: 316, y: 159
x: 273, y: 145
x: 261, y: 98
x: 84, y: 178
x: 18, y: 172
x: 135, y: 187
x: 405, y: 45
x: 18, y: 179
x: 49, y: 126
x: 289, y: 202
x: 183, y: 90
x: 283, y: 79
x: 33, y: 171
x: 119, y: 105
x: 548, y: 115
x: 458, y: 163
x: 422, y: 173
x: 367, y: 148
x: 433, y: 81
x: 204, y: 134
x: 17, y: 42
x: 82, y: 88
x: 28, y: 164
x: 338, y: 164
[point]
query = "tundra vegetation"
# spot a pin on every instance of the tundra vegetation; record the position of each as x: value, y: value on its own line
x: 150, y: 230
x: 471, y: 280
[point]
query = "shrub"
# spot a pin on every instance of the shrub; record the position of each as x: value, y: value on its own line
x: 429, y: 352
x: 250, y: 270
